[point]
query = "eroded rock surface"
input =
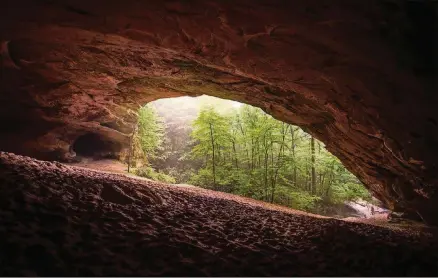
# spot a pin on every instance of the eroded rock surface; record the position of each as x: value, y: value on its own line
x: 358, y: 75
x: 60, y: 220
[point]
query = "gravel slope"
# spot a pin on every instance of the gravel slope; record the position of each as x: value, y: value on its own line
x: 61, y: 220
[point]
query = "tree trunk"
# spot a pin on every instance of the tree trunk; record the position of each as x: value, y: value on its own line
x: 312, y: 146
x: 244, y: 143
x: 235, y: 155
x: 292, y: 133
x: 252, y: 154
x: 213, y: 158
x: 131, y: 147
x: 279, y: 159
x: 266, y: 169
x: 330, y: 180
x: 272, y: 172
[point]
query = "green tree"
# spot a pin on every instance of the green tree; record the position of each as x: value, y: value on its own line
x: 150, y: 132
x: 146, y: 140
x: 211, y: 130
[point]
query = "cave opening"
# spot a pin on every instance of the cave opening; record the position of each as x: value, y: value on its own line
x: 92, y: 145
x: 232, y: 147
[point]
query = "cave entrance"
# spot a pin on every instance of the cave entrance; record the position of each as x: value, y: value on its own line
x: 236, y: 148
x: 96, y: 146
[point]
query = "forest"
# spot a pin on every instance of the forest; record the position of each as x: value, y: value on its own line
x: 236, y: 148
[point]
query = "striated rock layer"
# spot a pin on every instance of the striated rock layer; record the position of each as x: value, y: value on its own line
x: 57, y: 220
x: 358, y: 75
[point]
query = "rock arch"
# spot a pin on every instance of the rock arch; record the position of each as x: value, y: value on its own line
x: 359, y: 76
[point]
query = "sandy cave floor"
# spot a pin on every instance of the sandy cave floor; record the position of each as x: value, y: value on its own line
x: 62, y: 220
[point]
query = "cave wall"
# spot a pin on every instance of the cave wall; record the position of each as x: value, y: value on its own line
x: 358, y: 75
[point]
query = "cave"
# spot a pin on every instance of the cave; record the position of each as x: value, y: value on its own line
x: 360, y: 76
x: 355, y: 76
x: 94, y: 146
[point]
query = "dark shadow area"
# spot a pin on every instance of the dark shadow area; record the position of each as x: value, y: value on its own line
x: 95, y: 146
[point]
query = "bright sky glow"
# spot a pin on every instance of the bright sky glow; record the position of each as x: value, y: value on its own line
x: 192, y: 105
x: 236, y: 104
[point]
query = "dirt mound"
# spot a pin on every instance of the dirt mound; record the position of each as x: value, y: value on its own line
x: 60, y: 220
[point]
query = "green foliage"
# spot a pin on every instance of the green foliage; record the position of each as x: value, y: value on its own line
x: 242, y: 150
x: 349, y: 191
x: 150, y: 173
x: 203, y: 178
x: 248, y: 152
x: 209, y: 125
x: 150, y: 131
x: 304, y: 200
x: 146, y: 141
